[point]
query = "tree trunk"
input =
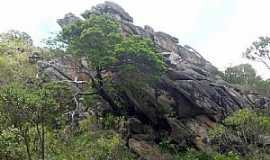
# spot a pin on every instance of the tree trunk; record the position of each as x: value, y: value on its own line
x: 102, y: 92
x: 26, y: 142
x: 43, y: 132
x: 43, y: 141
x: 107, y: 98
x: 39, y: 138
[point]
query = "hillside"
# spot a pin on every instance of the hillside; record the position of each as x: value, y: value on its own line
x: 108, y: 89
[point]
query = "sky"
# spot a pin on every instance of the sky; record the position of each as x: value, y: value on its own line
x: 219, y: 29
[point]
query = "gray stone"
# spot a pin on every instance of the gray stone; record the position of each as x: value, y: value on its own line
x: 189, y: 98
x: 68, y: 19
x: 111, y: 9
x: 146, y: 150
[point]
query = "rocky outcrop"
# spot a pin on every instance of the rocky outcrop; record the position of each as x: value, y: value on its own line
x: 68, y: 19
x: 190, y: 98
x: 145, y: 150
x: 111, y: 9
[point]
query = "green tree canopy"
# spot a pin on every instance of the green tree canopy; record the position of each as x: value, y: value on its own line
x: 99, y: 39
x: 243, y: 74
x: 131, y: 59
x: 15, y: 41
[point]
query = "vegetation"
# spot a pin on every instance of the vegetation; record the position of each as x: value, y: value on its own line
x: 259, y: 51
x: 242, y: 136
x: 33, y: 113
x: 246, y: 133
x: 243, y: 74
x: 99, y: 40
x: 245, y: 77
x: 38, y: 116
x: 34, y: 122
x: 197, y: 155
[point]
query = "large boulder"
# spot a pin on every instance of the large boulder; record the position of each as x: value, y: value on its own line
x: 190, y: 97
x: 68, y: 19
x: 109, y: 8
x: 145, y: 150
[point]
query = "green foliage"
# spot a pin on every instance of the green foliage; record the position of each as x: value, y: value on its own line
x: 9, y: 146
x: 16, y: 104
x: 94, y: 38
x: 15, y: 48
x: 141, y: 62
x: 228, y: 156
x: 110, y: 121
x: 119, y: 62
x: 61, y: 93
x: 263, y: 87
x: 243, y: 132
x: 216, y: 132
x: 16, y: 68
x: 91, y: 143
x: 29, y: 112
x: 245, y: 77
x: 248, y: 118
x: 243, y: 74
x: 31, y: 108
x: 25, y: 110
x: 99, y: 39
x: 15, y: 42
x: 192, y: 154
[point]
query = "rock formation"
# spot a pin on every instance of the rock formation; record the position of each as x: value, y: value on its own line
x: 192, y: 96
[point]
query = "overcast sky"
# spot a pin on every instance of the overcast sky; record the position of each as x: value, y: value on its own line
x: 219, y: 29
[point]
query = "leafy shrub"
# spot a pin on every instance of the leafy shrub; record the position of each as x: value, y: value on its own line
x: 192, y: 155
x: 244, y: 132
x: 228, y: 156
x: 10, y: 149
x: 98, y: 144
x: 112, y: 122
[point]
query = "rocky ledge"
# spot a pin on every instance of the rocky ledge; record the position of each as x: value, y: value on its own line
x: 192, y: 93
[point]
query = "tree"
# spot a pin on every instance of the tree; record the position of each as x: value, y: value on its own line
x: 16, y: 108
x: 29, y: 112
x: 16, y: 35
x: 15, y: 48
x: 259, y: 51
x: 243, y: 74
x: 98, y: 39
x: 15, y: 41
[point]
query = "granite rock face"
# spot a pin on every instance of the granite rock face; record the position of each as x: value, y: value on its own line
x: 68, y: 19
x: 191, y: 95
x: 111, y: 9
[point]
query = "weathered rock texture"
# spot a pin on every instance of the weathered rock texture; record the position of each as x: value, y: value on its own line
x: 191, y: 95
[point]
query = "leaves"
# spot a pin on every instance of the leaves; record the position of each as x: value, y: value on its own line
x: 259, y: 51
x: 242, y: 133
x: 100, y: 40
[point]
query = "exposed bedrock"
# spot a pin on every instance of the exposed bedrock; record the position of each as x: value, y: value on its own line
x: 191, y: 95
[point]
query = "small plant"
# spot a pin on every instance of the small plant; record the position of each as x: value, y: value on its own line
x: 228, y: 156
x: 110, y: 121
x: 216, y: 132
x: 192, y: 154
x: 166, y: 147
